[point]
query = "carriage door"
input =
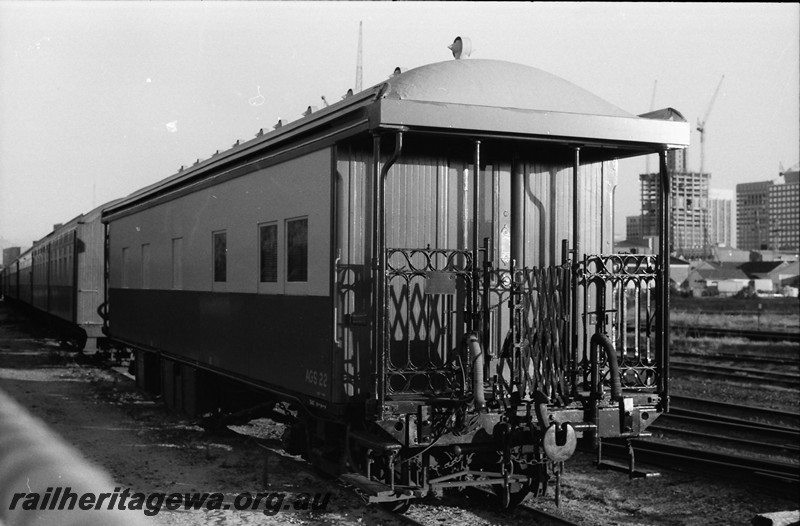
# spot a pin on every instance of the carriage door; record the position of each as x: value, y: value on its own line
x: 428, y: 280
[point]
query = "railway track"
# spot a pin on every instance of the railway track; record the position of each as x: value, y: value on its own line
x: 748, y: 334
x: 755, y: 438
x: 698, y: 434
x: 724, y: 411
x: 780, y: 476
x: 748, y: 358
x: 703, y: 368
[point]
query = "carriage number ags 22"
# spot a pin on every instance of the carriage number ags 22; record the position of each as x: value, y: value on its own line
x: 316, y: 378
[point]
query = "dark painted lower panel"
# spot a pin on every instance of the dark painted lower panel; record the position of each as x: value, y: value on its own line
x: 284, y: 341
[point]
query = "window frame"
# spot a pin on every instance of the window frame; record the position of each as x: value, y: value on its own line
x: 289, y: 252
x: 275, y: 257
x: 215, y: 270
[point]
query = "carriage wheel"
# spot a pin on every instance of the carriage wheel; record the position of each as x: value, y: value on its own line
x: 512, y: 495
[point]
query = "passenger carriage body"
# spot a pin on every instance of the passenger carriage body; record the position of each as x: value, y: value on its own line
x: 61, y: 278
x: 425, y: 268
x: 17, y: 279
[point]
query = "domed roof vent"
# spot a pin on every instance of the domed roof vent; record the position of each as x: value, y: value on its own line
x: 461, y: 47
x: 496, y: 83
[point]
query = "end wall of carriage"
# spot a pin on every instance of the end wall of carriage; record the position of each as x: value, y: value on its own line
x: 429, y: 228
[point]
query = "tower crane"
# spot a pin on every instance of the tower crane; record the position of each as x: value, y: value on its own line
x: 701, y: 125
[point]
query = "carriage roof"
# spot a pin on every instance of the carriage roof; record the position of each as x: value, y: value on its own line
x: 476, y: 98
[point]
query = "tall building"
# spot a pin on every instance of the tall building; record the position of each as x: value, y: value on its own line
x: 784, y: 212
x: 720, y: 217
x: 633, y: 228
x: 752, y: 215
x: 689, y: 232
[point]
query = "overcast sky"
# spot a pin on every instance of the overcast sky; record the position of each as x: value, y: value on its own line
x: 98, y: 99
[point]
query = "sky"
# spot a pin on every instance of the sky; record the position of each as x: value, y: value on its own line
x: 98, y: 99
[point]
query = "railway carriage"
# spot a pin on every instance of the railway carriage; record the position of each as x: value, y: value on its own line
x: 61, y: 278
x: 424, y: 270
x: 17, y: 279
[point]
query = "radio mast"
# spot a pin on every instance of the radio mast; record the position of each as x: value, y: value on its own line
x: 359, y: 69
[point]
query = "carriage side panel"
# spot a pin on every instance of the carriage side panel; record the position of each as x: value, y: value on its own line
x: 186, y: 276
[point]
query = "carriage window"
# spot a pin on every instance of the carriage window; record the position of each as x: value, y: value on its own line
x: 268, y: 239
x: 220, y: 256
x: 297, y: 250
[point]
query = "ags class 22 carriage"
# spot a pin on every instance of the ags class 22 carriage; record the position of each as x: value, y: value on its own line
x: 505, y: 329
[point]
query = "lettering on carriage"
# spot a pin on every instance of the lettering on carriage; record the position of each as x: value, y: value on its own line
x: 316, y: 378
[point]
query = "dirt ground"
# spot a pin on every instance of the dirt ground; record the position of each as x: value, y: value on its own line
x: 143, y: 447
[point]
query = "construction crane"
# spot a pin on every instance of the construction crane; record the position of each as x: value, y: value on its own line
x: 701, y: 126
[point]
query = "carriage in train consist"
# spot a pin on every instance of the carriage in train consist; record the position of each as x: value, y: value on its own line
x: 424, y: 271
x: 60, y: 279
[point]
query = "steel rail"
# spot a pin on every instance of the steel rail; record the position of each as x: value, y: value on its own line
x: 724, y: 410
x: 739, y: 357
x: 749, y: 334
x: 785, y: 476
x: 732, y: 423
x: 793, y: 447
x: 711, y: 418
x: 737, y: 373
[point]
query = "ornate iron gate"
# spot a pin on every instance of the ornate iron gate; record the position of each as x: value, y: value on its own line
x: 428, y: 292
x: 536, y: 353
x: 620, y: 296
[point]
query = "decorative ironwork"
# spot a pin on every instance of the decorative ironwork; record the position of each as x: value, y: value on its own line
x: 619, y: 294
x: 535, y: 356
x: 425, y: 320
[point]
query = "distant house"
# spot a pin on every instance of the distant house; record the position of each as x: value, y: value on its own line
x: 713, y: 281
x: 728, y: 278
x: 678, y: 271
x: 777, y: 273
x: 762, y: 269
x: 788, y: 276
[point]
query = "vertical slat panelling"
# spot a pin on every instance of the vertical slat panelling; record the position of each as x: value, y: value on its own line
x: 90, y: 271
x: 423, y: 204
x: 353, y: 290
x: 417, y: 213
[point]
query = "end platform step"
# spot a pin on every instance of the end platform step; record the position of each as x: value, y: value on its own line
x: 625, y: 468
x: 376, y: 491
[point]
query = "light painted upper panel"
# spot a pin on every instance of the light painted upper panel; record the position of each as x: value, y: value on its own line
x: 497, y: 84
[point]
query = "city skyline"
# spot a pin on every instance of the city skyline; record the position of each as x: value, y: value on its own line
x: 99, y: 99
